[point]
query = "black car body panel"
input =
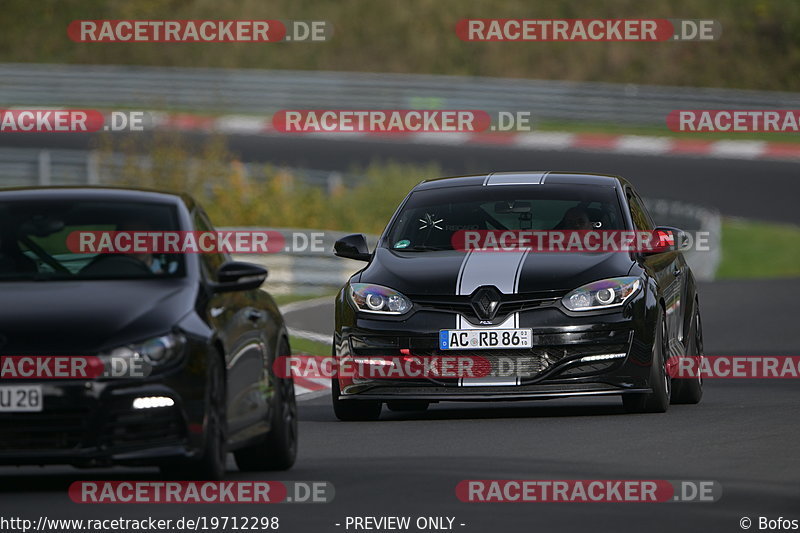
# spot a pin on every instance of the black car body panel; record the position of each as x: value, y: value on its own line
x: 434, y: 272
x: 443, y: 285
x: 91, y: 422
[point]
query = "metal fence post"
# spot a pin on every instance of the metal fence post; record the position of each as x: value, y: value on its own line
x: 44, y: 167
x: 93, y: 168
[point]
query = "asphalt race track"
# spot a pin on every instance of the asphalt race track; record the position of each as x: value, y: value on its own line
x: 759, y: 189
x: 744, y: 434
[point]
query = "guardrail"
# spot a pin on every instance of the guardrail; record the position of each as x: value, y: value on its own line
x: 307, y: 272
x: 266, y: 91
x: 26, y: 167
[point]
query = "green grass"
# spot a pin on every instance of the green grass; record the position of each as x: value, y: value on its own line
x: 309, y: 347
x: 757, y: 50
x: 759, y: 250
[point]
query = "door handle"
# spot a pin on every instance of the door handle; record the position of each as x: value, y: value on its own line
x: 677, y: 272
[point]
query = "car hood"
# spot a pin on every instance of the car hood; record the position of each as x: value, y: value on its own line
x: 86, y: 317
x: 452, y: 272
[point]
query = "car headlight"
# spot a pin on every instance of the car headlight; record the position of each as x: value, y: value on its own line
x: 162, y: 350
x: 602, y: 294
x: 139, y: 360
x: 378, y: 299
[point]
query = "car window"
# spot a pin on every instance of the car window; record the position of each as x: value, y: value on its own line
x: 641, y: 219
x: 431, y: 217
x: 63, y: 240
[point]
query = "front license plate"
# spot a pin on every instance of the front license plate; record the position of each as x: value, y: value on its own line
x: 21, y: 399
x: 485, y: 339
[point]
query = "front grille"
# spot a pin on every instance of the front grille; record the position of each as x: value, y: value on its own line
x: 589, y: 368
x: 509, y: 304
x: 527, y: 363
x: 130, y: 428
x: 68, y: 423
x: 516, y: 365
x: 52, y: 429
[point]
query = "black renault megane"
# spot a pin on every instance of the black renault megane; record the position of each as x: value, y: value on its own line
x: 542, y: 323
x: 199, y: 333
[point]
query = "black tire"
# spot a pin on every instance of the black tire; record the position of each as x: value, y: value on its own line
x: 211, y: 465
x: 661, y: 383
x: 408, y: 406
x: 278, y: 450
x: 353, y: 410
x: 690, y: 391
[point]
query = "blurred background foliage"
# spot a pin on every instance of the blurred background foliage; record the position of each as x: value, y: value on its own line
x: 758, y: 48
x: 235, y: 195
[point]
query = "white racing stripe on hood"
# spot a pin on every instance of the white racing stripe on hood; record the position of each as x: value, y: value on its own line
x: 501, y: 269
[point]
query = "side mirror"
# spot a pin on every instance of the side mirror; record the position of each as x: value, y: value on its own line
x: 352, y: 247
x: 239, y: 276
x: 668, y: 239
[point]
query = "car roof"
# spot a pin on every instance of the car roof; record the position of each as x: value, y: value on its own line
x: 524, y: 178
x: 94, y: 193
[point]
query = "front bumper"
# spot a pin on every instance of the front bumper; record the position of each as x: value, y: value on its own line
x: 93, y: 423
x: 557, y: 368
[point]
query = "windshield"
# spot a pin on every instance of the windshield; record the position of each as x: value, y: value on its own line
x: 34, y: 240
x: 429, y: 218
